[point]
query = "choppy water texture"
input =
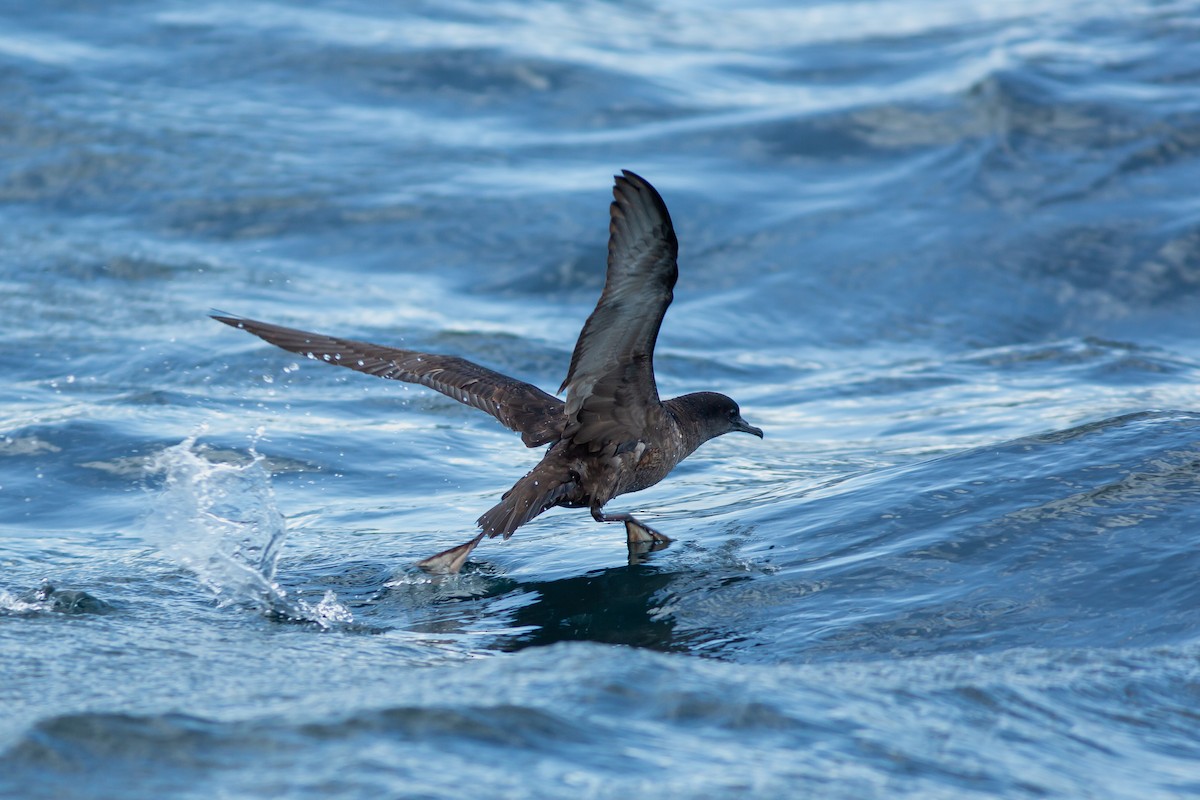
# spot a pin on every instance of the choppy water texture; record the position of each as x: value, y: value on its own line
x: 946, y: 254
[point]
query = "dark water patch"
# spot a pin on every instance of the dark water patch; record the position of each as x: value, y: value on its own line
x: 616, y: 606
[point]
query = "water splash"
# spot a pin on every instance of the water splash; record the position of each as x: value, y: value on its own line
x: 219, y: 519
x: 11, y: 604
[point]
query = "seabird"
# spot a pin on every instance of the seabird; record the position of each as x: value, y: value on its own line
x: 612, y: 435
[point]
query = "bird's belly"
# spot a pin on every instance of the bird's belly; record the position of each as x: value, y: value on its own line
x: 599, y: 479
x: 648, y: 470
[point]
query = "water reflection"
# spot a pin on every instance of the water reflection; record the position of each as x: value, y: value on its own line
x: 621, y: 605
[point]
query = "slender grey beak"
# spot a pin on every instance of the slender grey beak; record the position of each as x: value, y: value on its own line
x: 740, y: 424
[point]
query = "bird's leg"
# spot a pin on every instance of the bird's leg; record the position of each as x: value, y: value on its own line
x: 637, y: 533
x: 449, y: 562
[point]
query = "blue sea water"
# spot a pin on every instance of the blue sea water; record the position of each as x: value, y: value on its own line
x: 947, y: 255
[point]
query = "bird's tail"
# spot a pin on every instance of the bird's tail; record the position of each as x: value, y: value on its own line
x: 543, y: 488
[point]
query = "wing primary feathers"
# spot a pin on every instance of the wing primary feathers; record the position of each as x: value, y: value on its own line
x: 519, y: 406
x: 611, y: 392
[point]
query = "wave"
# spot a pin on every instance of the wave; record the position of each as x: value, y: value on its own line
x: 611, y: 722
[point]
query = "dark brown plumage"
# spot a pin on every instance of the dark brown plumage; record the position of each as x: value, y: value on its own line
x: 612, y: 435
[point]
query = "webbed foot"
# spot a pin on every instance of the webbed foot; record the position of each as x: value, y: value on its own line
x: 641, y: 538
x: 638, y: 533
x: 449, y: 562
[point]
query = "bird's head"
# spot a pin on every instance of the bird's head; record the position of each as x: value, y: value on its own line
x: 711, y: 415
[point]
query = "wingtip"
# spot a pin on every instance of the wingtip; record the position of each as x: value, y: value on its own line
x: 628, y: 179
x: 635, y: 182
x: 633, y: 194
x: 228, y: 319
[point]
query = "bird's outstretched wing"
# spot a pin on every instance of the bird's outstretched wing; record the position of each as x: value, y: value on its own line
x: 611, y: 393
x: 520, y: 406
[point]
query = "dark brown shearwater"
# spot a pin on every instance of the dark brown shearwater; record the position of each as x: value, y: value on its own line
x: 612, y: 435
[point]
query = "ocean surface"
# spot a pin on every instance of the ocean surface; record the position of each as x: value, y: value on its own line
x: 946, y: 254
